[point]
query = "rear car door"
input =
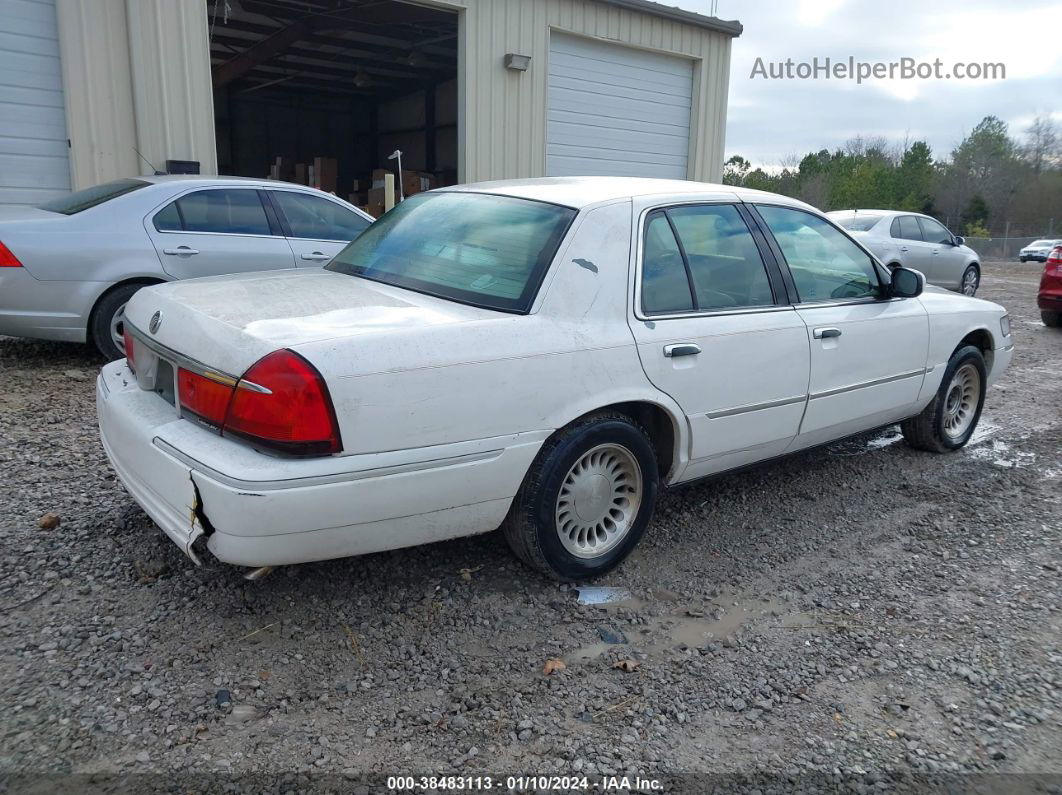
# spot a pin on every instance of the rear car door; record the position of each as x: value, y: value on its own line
x: 317, y: 228
x: 210, y: 231
x: 716, y: 333
x: 868, y: 352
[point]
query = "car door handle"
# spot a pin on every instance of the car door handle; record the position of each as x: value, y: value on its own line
x: 180, y: 251
x: 316, y: 256
x: 681, y: 349
x: 826, y: 333
x: 904, y: 249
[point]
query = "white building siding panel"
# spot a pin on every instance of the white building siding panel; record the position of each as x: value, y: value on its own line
x: 34, y: 158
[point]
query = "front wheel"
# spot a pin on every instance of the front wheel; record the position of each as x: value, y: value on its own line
x: 1051, y: 319
x: 949, y: 421
x: 971, y: 280
x: 587, y: 499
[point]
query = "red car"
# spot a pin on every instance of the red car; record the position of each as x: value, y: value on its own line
x: 1049, y: 298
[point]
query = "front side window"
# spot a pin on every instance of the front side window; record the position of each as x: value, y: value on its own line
x: 906, y: 227
x: 476, y: 248
x: 223, y: 211
x: 315, y: 218
x: 81, y: 200
x: 825, y: 264
x: 933, y: 232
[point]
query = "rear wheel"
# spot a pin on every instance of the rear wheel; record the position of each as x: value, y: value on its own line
x: 586, y: 500
x: 107, y: 324
x: 1052, y: 319
x: 971, y: 280
x: 950, y: 420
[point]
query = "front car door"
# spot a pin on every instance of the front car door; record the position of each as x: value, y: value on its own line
x: 210, y: 231
x: 716, y: 333
x: 948, y: 259
x: 868, y: 352
x: 317, y: 228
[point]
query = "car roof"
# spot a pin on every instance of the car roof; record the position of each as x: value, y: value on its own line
x: 581, y: 192
x: 875, y: 213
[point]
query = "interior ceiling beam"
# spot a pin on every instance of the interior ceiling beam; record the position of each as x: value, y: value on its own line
x: 351, y: 55
x: 264, y: 50
x: 344, y: 34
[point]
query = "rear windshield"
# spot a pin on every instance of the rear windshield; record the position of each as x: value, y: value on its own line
x: 855, y: 223
x: 74, y: 203
x: 476, y: 248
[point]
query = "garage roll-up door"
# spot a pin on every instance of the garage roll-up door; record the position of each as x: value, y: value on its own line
x: 616, y: 110
x: 34, y: 158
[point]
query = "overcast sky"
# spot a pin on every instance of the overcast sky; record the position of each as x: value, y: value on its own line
x: 770, y: 120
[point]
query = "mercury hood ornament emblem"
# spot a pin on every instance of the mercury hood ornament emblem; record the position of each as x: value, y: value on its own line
x: 156, y: 321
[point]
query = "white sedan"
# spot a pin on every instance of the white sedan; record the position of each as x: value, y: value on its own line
x: 539, y: 355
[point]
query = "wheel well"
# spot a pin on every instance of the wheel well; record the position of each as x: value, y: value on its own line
x: 659, y: 425
x: 981, y: 340
x: 144, y: 280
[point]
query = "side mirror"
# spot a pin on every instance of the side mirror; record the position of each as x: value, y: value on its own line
x: 959, y: 240
x: 906, y: 283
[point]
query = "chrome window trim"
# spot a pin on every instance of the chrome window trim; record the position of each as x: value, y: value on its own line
x: 848, y: 302
x: 770, y: 404
x: 218, y: 234
x: 179, y: 359
x: 864, y: 384
x: 639, y: 314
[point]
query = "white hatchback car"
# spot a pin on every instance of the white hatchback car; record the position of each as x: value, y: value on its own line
x: 911, y: 240
x: 68, y: 267
x: 541, y: 355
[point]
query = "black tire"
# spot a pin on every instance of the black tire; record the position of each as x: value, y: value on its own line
x: 976, y: 275
x: 1021, y: 259
x: 531, y: 526
x: 927, y: 431
x: 1051, y: 319
x: 103, y: 313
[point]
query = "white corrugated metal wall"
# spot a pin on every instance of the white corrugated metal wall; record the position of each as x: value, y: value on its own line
x: 161, y: 100
x: 34, y: 164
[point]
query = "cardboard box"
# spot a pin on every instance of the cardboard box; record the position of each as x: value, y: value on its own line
x: 285, y: 169
x: 375, y: 196
x: 301, y: 174
x: 375, y: 210
x: 326, y: 172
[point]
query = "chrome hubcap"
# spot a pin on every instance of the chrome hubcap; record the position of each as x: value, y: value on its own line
x: 960, y: 404
x: 599, y: 500
x: 118, y: 328
x: 969, y: 282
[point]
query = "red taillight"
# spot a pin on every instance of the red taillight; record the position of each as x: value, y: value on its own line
x: 130, y: 354
x: 1055, y: 257
x: 282, y: 404
x: 205, y: 398
x: 7, y: 259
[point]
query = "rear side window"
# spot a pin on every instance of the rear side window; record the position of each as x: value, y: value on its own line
x: 74, y: 203
x: 315, y: 218
x: 223, y: 211
x: 724, y: 263
x: 665, y: 286
x: 906, y: 228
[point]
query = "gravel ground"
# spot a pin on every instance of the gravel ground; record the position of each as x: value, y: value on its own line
x: 861, y: 617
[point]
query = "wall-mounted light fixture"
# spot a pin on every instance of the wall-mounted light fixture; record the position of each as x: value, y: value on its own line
x: 518, y: 63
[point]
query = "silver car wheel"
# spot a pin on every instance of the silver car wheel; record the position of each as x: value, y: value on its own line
x: 960, y: 401
x: 599, y: 500
x: 970, y: 282
x: 118, y: 328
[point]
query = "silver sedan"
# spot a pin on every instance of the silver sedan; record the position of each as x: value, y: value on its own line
x: 68, y: 267
x: 911, y: 240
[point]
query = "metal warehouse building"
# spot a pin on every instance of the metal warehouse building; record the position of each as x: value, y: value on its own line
x: 92, y: 90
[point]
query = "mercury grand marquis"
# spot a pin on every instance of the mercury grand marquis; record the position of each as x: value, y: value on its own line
x: 541, y: 356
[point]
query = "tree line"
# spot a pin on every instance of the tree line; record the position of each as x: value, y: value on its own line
x: 990, y: 185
